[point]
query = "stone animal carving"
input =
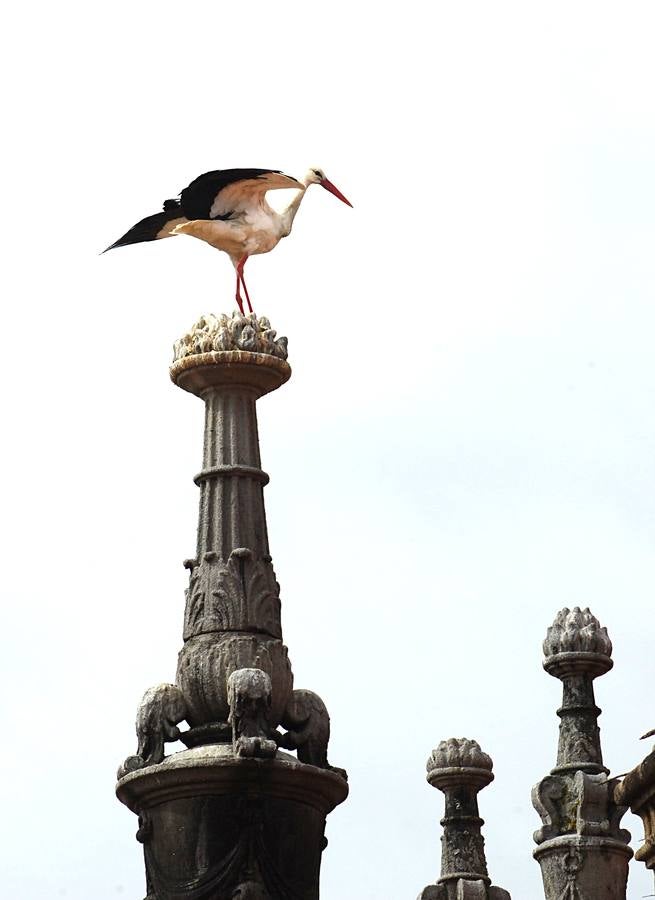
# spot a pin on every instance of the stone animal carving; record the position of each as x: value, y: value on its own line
x: 308, y: 724
x: 159, y: 713
x: 465, y: 889
x: 250, y: 890
x: 249, y: 697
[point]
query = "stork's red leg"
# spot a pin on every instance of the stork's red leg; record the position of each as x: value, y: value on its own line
x: 238, y: 296
x: 245, y: 289
x: 240, y: 266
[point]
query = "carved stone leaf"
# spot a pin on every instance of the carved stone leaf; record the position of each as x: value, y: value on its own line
x: 238, y: 595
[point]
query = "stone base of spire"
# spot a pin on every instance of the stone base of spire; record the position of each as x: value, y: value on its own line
x: 591, y: 866
x: 216, y: 827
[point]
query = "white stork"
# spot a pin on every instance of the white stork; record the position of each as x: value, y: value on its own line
x: 228, y: 210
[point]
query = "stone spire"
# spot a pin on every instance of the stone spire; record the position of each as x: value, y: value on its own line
x: 460, y: 769
x: 232, y: 816
x: 582, y: 849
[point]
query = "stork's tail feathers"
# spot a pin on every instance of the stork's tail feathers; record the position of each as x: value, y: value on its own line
x: 153, y: 227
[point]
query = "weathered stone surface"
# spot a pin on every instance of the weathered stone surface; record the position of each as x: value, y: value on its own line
x: 232, y: 817
x: 576, y: 630
x: 637, y: 790
x: 249, y: 696
x: 237, y: 594
x: 206, y: 662
x: 582, y: 848
x: 308, y: 722
x: 234, y: 332
x: 460, y: 768
x: 212, y: 824
x: 162, y: 708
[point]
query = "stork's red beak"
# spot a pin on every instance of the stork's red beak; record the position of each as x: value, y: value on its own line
x: 334, y: 190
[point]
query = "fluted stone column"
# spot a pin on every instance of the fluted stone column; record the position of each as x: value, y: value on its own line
x: 232, y: 817
x: 582, y: 848
x: 460, y: 769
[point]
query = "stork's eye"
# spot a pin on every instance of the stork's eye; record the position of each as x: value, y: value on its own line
x: 318, y: 173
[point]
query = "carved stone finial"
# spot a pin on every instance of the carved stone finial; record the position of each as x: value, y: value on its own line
x: 582, y: 848
x: 576, y: 631
x: 460, y: 768
x: 236, y: 332
x: 577, y: 650
x: 458, y: 758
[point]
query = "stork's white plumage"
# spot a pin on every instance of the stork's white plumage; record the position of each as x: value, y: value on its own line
x: 228, y: 210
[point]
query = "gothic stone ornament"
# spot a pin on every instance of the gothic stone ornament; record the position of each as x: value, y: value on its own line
x: 308, y: 722
x: 582, y: 848
x: 237, y: 594
x: 206, y: 662
x: 220, y: 824
x: 232, y: 817
x: 460, y: 769
x: 235, y: 332
x: 159, y: 713
x: 249, y: 692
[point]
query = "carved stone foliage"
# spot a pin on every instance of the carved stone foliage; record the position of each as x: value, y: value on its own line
x: 240, y: 594
x: 206, y: 662
x: 574, y: 631
x: 235, y: 332
x: 458, y: 753
x: 249, y: 697
x: 162, y: 708
x: 308, y: 724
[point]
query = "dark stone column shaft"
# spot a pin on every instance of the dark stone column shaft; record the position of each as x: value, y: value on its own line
x: 462, y: 838
x: 231, y: 483
x: 579, y: 735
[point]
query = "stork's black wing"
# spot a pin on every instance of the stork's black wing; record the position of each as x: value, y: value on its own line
x: 152, y: 227
x: 198, y: 198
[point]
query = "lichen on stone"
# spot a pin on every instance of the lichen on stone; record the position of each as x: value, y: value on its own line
x: 236, y: 332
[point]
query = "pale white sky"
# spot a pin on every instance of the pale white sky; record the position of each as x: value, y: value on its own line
x: 466, y: 444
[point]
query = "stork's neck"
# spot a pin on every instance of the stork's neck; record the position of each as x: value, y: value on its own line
x: 289, y: 213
